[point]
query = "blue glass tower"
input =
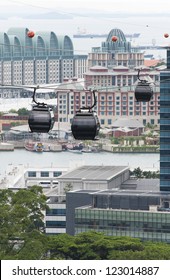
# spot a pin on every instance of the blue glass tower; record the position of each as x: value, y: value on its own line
x: 165, y: 127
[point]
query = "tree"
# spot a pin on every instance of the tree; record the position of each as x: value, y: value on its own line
x: 21, y: 216
x: 97, y: 246
x: 137, y: 172
x: 23, y: 112
x: 68, y: 187
x: 13, y: 111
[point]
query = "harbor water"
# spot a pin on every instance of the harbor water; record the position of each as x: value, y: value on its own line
x: 72, y: 160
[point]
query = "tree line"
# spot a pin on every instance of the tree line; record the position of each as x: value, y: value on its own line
x: 139, y: 173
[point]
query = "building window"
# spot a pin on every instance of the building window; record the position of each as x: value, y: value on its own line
x: 58, y: 224
x: 31, y: 174
x: 57, y: 173
x: 56, y: 212
x: 44, y: 174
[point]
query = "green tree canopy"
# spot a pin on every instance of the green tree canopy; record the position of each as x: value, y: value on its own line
x: 21, y: 215
x: 23, y: 112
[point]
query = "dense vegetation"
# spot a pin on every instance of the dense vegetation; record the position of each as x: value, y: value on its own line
x: 20, y: 112
x: 139, y: 173
x: 22, y: 235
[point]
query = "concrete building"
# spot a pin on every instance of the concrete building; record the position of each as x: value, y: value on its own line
x: 45, y: 58
x: 94, y: 177
x: 138, y: 214
x: 136, y: 208
x: 114, y: 93
x: 115, y: 53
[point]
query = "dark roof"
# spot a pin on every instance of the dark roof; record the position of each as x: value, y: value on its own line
x: 138, y: 187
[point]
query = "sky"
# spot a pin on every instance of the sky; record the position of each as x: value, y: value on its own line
x: 150, y: 18
x: 124, y: 6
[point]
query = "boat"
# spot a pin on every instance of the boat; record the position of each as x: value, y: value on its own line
x: 75, y: 151
x: 34, y: 146
x: 91, y: 149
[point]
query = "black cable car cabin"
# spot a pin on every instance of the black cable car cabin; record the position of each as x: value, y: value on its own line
x: 85, y: 125
x: 41, y: 119
x: 143, y: 92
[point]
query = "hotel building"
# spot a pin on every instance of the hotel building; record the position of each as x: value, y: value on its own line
x: 115, y: 95
x: 46, y: 58
x: 115, y: 53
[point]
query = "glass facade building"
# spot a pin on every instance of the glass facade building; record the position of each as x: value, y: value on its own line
x: 147, y: 225
x: 165, y: 127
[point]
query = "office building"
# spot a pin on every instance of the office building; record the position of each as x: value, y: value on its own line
x: 165, y: 127
x: 132, y: 207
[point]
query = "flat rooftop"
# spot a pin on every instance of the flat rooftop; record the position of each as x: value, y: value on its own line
x: 143, y: 187
x: 94, y: 172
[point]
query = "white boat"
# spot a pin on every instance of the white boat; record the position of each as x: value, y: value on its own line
x: 87, y: 150
x: 75, y: 151
x: 90, y: 149
x: 34, y: 147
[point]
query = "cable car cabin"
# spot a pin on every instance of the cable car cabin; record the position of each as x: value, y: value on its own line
x: 143, y: 92
x: 41, y: 119
x: 85, y: 125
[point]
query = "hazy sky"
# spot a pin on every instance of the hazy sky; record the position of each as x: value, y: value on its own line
x: 134, y: 6
x: 150, y: 18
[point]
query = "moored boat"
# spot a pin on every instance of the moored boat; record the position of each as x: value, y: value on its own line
x: 34, y: 146
x: 75, y: 151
